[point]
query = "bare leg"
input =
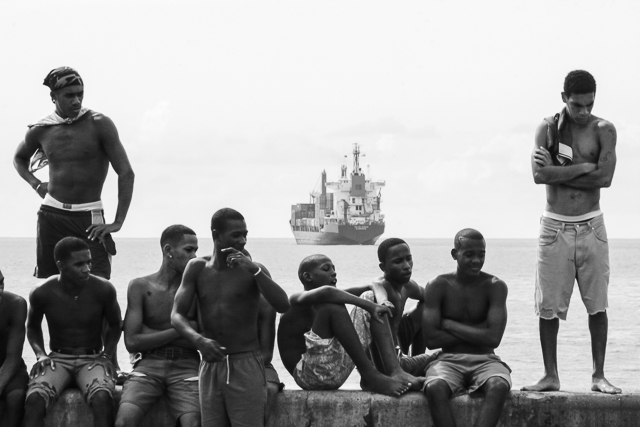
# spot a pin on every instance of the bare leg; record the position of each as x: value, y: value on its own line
x: 14, y: 408
x: 35, y: 411
x: 598, y: 326
x: 102, y: 407
x: 495, y: 390
x: 334, y: 320
x: 549, y: 342
x: 129, y: 415
x: 272, y: 395
x: 438, y: 395
x: 189, y: 420
x: 417, y: 343
x: 386, y: 354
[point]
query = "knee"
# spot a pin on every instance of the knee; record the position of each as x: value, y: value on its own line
x: 189, y: 420
x: 437, y: 389
x: 497, y: 386
x: 35, y: 405
x: 101, y: 399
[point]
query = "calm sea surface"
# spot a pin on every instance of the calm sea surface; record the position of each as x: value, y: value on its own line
x: 513, y: 260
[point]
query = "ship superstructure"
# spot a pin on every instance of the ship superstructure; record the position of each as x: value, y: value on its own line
x: 348, y: 214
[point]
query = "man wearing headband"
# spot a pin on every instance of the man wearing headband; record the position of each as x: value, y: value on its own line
x: 78, y: 145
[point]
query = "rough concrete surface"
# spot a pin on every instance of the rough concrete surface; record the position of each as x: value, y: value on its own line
x: 362, y: 409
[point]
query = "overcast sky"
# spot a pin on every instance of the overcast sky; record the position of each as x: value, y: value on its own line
x: 243, y: 104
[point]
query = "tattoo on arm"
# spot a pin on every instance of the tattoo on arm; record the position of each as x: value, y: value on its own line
x: 605, y: 158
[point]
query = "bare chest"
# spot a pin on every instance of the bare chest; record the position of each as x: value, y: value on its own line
x: 73, y: 311
x: 157, y: 307
x: 76, y: 142
x: 585, y: 145
x: 227, y: 287
x: 465, y: 305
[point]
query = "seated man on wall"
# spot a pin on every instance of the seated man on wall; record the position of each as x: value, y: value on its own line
x: 393, y: 289
x: 320, y: 342
x: 167, y: 364
x: 13, y: 372
x: 465, y: 314
x: 75, y: 304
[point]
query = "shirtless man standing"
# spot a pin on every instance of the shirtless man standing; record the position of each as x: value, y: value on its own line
x: 227, y: 287
x: 13, y: 372
x: 78, y: 145
x: 465, y: 314
x: 167, y: 363
x: 574, y: 156
x: 75, y: 304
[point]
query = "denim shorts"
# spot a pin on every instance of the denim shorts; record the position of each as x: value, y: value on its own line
x: 155, y: 376
x: 570, y: 252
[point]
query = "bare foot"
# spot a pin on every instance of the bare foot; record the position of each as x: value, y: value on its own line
x: 415, y: 383
x: 379, y: 383
x: 604, y: 386
x: 547, y: 383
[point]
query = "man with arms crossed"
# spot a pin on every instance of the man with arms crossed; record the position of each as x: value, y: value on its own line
x: 574, y: 156
x: 227, y: 287
x: 75, y: 304
x: 465, y: 314
x: 78, y: 145
x: 169, y: 363
x: 13, y: 372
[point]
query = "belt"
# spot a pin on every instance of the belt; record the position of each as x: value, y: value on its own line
x: 77, y: 351
x: 174, y: 352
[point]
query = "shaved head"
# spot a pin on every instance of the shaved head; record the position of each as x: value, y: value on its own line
x: 467, y: 233
x: 309, y: 263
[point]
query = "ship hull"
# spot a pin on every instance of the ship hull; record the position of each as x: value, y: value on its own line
x: 344, y: 235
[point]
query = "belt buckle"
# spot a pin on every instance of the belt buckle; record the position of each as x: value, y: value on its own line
x: 170, y: 353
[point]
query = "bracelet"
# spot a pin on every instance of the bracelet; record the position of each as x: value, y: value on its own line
x: 37, y: 187
x: 259, y: 271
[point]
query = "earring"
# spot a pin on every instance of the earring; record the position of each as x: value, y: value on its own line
x: 170, y: 256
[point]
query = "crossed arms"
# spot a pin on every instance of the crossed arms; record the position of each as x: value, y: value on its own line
x: 581, y: 176
x: 441, y: 332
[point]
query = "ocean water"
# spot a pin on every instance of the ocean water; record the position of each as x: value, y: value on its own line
x: 513, y: 260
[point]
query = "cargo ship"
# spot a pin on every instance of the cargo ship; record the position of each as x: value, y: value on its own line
x: 347, y: 215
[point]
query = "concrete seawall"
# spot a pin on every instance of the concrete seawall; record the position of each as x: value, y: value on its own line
x: 356, y: 408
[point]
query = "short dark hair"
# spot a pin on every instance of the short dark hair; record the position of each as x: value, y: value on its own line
x: 309, y: 263
x: 466, y: 233
x: 579, y: 82
x: 63, y: 249
x: 222, y: 216
x: 174, y: 233
x: 384, y: 247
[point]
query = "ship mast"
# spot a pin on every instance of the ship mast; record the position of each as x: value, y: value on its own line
x: 356, y: 159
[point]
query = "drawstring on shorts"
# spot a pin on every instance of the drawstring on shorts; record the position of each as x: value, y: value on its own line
x: 227, y: 358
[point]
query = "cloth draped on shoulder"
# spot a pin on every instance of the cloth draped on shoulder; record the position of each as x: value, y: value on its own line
x: 39, y: 158
x: 559, y: 138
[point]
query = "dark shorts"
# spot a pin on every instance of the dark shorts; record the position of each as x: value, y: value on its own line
x: 55, y: 224
x: 233, y: 392
x: 19, y: 381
